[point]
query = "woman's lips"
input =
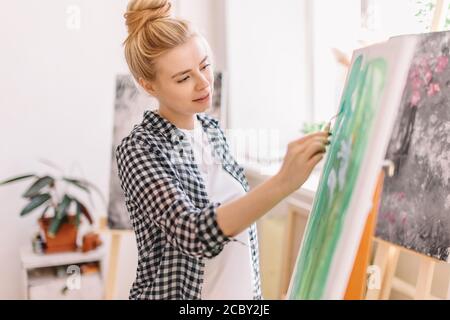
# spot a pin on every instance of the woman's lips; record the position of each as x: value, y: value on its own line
x: 203, y: 99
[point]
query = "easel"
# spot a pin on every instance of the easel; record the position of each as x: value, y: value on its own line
x: 385, y: 264
x: 439, y: 15
x: 387, y: 254
x: 386, y: 259
x: 113, y: 261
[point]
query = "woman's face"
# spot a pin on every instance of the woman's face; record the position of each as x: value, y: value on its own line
x: 184, y: 78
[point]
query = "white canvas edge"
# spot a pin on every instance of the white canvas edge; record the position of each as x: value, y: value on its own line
x: 401, y: 50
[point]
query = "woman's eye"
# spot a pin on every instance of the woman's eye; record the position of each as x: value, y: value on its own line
x: 182, y: 80
x: 206, y: 66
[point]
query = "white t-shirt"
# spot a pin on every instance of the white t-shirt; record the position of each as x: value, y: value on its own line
x: 229, y: 274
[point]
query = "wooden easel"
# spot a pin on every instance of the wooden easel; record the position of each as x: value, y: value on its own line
x: 385, y: 264
x: 113, y: 262
x: 387, y: 254
x: 386, y: 259
x: 439, y: 15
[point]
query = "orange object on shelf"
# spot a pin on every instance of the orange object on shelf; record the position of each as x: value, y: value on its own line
x: 64, y: 240
x: 91, y: 241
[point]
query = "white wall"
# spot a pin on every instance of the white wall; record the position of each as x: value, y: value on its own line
x: 57, y: 103
x: 208, y: 17
x: 330, y: 30
x: 267, y: 53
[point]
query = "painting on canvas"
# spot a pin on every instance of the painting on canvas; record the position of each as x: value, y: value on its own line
x: 415, y: 205
x: 360, y: 137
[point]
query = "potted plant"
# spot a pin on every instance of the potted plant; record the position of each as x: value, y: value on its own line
x: 61, y: 210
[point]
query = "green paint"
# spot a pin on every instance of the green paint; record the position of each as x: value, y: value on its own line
x: 350, y: 138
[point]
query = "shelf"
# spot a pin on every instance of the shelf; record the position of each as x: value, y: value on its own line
x: 41, y: 279
x: 32, y: 260
x: 91, y: 288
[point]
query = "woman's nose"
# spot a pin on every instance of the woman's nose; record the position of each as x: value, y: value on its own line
x: 202, y: 82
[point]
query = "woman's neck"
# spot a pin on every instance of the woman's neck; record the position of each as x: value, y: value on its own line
x: 181, y: 121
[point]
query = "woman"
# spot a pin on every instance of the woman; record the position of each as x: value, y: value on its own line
x: 189, y: 201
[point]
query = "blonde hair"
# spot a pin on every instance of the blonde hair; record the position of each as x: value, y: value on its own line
x: 151, y: 32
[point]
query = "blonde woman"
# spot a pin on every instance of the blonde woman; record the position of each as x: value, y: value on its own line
x: 188, y: 199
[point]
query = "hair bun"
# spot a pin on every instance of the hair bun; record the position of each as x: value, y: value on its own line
x: 141, y: 12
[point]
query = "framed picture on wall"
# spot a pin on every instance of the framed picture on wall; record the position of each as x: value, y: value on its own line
x: 218, y: 108
x: 129, y: 107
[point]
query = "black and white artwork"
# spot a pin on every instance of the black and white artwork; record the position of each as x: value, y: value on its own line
x: 130, y: 104
x: 415, y: 206
x: 218, y: 108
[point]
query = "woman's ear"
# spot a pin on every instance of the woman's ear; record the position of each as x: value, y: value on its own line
x: 148, y: 86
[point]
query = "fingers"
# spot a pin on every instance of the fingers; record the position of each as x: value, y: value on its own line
x: 308, y: 137
x: 310, y: 147
x: 314, y: 148
x: 315, y: 160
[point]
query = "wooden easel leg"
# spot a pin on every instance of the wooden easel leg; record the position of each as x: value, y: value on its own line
x: 111, y: 281
x: 447, y: 297
x: 386, y: 258
x: 424, y: 279
x: 439, y: 15
x: 386, y: 286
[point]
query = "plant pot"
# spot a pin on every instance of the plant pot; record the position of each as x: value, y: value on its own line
x: 64, y: 240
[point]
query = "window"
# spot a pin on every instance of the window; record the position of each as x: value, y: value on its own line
x: 340, y: 27
x: 287, y: 62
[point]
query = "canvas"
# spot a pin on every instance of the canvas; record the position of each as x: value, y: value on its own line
x: 415, y: 205
x: 369, y: 104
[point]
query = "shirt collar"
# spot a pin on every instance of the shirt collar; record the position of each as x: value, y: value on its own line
x: 157, y: 124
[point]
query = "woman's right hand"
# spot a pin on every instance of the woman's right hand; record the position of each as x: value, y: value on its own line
x: 301, y: 157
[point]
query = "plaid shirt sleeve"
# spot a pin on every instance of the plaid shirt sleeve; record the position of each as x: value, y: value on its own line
x: 150, y: 181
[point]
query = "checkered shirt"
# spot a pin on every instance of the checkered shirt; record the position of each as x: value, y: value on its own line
x: 174, y: 221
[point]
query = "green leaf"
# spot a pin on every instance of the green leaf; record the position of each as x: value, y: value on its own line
x: 61, y: 213
x: 63, y: 206
x: 17, y: 179
x: 36, y: 201
x: 82, y: 208
x: 38, y: 185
